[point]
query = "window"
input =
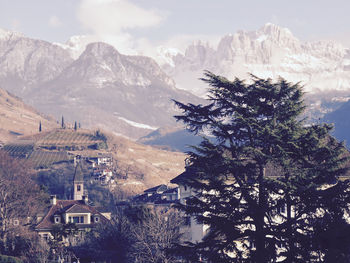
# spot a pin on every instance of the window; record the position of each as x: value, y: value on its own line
x: 77, y: 219
x: 57, y: 219
x: 97, y: 219
x: 45, y: 236
x: 15, y: 222
x: 185, y: 187
x: 78, y: 187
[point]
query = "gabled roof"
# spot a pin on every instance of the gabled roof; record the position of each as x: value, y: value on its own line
x: 78, y: 208
x: 158, y: 188
x: 71, y: 206
x: 144, y: 198
x: 181, y: 179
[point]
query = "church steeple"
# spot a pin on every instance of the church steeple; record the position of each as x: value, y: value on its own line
x: 78, y: 181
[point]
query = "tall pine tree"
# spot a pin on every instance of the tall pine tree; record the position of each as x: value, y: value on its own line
x: 261, y: 176
x: 63, y: 125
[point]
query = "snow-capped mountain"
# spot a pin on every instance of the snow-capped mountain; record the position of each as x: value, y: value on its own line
x: 95, y: 84
x: 76, y: 45
x: 25, y: 62
x: 272, y: 51
x: 128, y: 95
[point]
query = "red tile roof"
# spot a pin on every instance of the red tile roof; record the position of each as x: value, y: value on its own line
x: 72, y: 206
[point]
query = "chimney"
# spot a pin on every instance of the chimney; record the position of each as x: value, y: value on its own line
x: 85, y: 199
x: 53, y: 199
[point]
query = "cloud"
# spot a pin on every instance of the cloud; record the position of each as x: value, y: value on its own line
x: 113, y: 17
x: 112, y: 21
x: 54, y: 21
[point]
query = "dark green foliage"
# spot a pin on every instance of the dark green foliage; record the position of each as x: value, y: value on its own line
x: 100, y: 136
x: 63, y: 125
x: 98, y: 146
x: 261, y: 158
x: 103, y: 141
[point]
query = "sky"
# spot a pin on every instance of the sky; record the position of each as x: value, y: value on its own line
x: 144, y: 24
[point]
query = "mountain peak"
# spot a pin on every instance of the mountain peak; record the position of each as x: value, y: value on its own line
x: 6, y: 34
x: 100, y: 49
x: 276, y: 32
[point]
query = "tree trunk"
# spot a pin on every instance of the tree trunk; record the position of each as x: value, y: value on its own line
x: 260, y: 235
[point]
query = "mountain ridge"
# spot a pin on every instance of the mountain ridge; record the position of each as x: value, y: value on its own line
x: 270, y: 51
x: 131, y: 95
x: 128, y: 95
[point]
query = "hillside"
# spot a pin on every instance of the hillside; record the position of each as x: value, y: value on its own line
x: 269, y: 52
x: 135, y: 166
x: 175, y: 139
x: 340, y: 119
x: 17, y: 118
x: 145, y: 165
x: 128, y: 95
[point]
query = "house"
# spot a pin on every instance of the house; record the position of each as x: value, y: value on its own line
x: 172, y: 194
x: 102, y: 174
x: 77, y: 211
x: 159, y: 189
x: 192, y: 230
x: 98, y: 159
x: 158, y: 195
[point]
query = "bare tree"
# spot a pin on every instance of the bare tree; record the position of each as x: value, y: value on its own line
x: 136, y: 234
x: 20, y: 197
x: 155, y: 235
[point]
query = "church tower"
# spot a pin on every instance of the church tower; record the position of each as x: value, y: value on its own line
x: 78, y: 182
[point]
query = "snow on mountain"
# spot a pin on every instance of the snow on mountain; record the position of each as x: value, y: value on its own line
x: 25, y: 62
x: 6, y: 35
x: 76, y: 45
x: 138, y: 125
x: 91, y: 88
x: 271, y: 51
x: 165, y: 55
x: 90, y: 82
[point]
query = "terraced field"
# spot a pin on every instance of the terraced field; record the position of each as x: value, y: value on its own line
x: 67, y: 137
x: 44, y: 159
x: 19, y: 150
x: 45, y: 149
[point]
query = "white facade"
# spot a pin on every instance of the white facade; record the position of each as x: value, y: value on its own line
x: 192, y: 230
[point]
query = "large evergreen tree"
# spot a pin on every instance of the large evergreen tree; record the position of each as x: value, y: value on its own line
x: 262, y: 175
